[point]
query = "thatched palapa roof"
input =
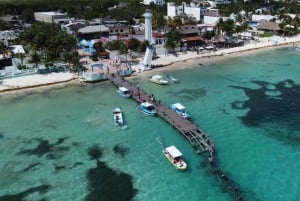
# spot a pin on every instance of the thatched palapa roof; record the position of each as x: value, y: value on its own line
x: 269, y: 26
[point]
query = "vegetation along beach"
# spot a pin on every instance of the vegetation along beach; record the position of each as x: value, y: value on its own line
x: 233, y: 65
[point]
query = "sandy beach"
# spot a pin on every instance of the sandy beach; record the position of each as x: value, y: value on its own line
x: 170, y: 61
x: 37, y: 80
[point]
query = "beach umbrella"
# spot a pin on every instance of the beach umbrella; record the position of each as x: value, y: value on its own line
x: 8, y: 35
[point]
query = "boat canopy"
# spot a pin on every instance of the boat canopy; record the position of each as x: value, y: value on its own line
x: 157, y: 77
x: 146, y: 104
x: 123, y: 89
x: 173, y: 151
x: 179, y: 106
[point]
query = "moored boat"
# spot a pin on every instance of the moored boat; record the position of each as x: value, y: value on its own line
x: 297, y: 47
x: 158, y: 79
x: 123, y: 91
x: 118, y: 117
x: 175, y: 157
x: 147, y: 108
x: 180, y: 110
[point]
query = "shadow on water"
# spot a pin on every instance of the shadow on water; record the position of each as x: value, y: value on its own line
x: 274, y: 107
x: 106, y: 183
x: 22, y: 195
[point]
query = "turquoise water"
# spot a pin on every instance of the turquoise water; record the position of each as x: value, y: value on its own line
x: 249, y: 105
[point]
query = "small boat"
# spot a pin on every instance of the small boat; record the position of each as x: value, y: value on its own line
x: 158, y: 79
x: 124, y: 92
x: 118, y: 117
x: 174, y: 156
x: 171, y: 78
x: 147, y: 108
x: 181, y: 110
x: 297, y: 47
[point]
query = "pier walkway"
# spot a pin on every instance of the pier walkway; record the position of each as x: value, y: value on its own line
x: 196, y: 137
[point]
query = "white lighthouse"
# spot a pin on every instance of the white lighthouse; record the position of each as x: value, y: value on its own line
x: 146, y: 64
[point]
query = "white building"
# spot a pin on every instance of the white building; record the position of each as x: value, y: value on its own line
x: 156, y: 2
x: 192, y: 10
x: 214, y: 3
x: 200, y: 12
x: 50, y: 17
x: 257, y: 18
x: 212, y: 16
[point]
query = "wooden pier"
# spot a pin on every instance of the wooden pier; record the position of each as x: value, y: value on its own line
x: 196, y: 137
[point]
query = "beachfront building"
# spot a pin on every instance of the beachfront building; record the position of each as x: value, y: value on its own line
x: 215, y: 3
x: 155, y: 2
x: 211, y: 17
x: 51, y: 17
x: 192, y: 10
x: 202, y: 12
x: 92, y: 31
x: 272, y: 27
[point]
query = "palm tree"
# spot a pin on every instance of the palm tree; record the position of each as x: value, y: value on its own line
x: 35, y: 58
x: 76, y: 67
x: 173, y: 40
x: 68, y: 58
x: 99, y: 47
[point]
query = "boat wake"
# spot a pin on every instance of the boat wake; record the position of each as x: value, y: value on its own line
x: 124, y: 127
x: 160, y: 141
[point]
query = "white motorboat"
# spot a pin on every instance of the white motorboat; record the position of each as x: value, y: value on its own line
x: 297, y: 47
x: 174, y: 156
x: 118, y: 117
x: 181, y: 110
x: 124, y: 92
x: 147, y: 108
x: 158, y: 79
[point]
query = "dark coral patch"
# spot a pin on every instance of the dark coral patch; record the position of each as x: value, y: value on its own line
x: 273, y: 104
x: 105, y: 184
x: 52, y: 151
x: 94, y: 152
x: 22, y: 195
x: 32, y: 167
x: 190, y: 94
x: 121, y: 150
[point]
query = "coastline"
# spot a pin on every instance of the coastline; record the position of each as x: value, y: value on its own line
x: 169, y: 62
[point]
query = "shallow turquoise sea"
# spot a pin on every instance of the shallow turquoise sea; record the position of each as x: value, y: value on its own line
x: 61, y: 144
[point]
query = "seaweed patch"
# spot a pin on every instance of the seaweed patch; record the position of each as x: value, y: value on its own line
x: 52, y: 151
x: 106, y: 184
x: 121, y: 150
x: 274, y: 107
x: 22, y: 195
x: 32, y: 167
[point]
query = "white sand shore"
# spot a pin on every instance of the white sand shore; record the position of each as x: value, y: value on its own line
x: 262, y: 43
x: 36, y: 80
x: 190, y: 59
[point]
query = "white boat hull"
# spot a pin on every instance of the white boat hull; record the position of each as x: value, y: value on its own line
x: 158, y: 80
x: 178, y: 163
x: 118, y: 117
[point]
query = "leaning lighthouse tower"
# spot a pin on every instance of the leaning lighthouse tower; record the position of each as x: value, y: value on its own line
x: 146, y: 64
